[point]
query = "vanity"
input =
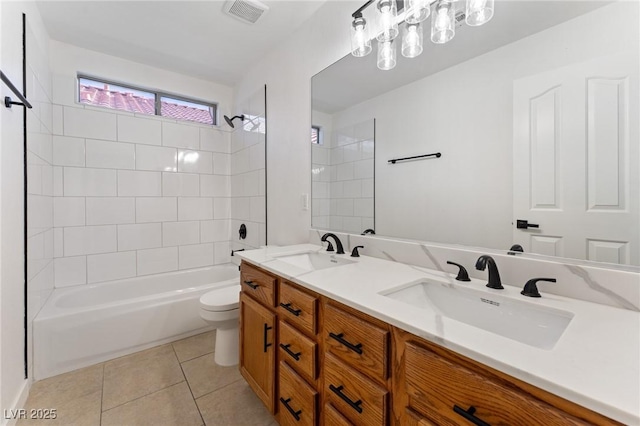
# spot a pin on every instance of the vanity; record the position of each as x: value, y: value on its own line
x: 334, y: 340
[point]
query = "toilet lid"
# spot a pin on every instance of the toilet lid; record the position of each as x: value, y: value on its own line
x: 222, y: 299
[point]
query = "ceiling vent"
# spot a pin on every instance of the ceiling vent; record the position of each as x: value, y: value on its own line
x: 248, y: 11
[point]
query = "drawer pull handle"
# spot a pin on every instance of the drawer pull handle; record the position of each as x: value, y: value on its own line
x: 294, y: 413
x: 468, y: 414
x: 251, y: 284
x: 338, y: 391
x: 266, y: 328
x: 294, y: 355
x: 340, y: 338
x: 288, y: 307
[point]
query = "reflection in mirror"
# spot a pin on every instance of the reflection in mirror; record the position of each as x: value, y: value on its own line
x: 342, y: 163
x: 536, y: 117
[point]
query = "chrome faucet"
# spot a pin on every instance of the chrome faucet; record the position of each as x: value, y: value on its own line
x: 494, y: 277
x: 336, y: 240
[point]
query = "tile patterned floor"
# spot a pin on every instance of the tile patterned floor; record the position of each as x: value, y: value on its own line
x: 177, y: 384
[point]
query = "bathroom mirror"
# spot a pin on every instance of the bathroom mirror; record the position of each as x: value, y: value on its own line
x: 535, y: 115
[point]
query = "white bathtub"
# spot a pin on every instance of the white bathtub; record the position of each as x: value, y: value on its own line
x: 81, y: 326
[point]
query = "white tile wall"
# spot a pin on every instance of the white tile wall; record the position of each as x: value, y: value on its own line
x: 68, y: 151
x: 192, y: 208
x: 156, y: 261
x: 132, y: 194
x: 89, y: 240
x: 139, y: 130
x: 110, y: 155
x: 80, y: 182
x: 156, y: 158
x: 180, y: 135
x: 87, y: 123
x: 181, y: 184
x: 139, y: 236
x: 70, y: 271
x: 182, y: 233
x: 154, y: 209
x: 109, y: 210
x: 111, y: 266
x: 139, y: 184
x: 195, y: 256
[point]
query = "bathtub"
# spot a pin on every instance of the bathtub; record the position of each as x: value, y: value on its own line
x: 84, y: 325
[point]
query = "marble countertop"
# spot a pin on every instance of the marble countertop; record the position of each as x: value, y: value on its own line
x: 595, y: 363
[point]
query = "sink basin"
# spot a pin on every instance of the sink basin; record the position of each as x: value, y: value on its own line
x: 538, y: 326
x: 313, y: 261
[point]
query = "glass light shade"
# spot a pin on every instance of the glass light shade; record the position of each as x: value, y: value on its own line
x: 360, y: 40
x: 386, y: 55
x: 412, y: 40
x: 387, y: 20
x: 443, y: 22
x: 478, y: 12
x: 417, y: 11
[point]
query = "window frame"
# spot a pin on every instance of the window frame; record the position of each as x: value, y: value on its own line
x: 318, y: 130
x: 159, y: 94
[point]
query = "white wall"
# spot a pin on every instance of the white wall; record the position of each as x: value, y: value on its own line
x: 13, y: 386
x: 135, y: 194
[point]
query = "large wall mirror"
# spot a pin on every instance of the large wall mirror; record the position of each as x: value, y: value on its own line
x: 536, y: 117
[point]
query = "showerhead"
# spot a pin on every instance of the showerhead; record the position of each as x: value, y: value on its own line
x: 230, y: 120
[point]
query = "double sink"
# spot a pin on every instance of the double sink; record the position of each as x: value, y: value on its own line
x: 523, y: 321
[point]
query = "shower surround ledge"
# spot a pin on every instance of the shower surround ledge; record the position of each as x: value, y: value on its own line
x: 578, y: 368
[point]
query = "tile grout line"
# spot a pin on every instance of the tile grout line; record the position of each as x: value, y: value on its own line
x: 104, y: 364
x: 193, y: 398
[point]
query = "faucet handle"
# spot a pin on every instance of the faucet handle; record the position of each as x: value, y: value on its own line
x: 330, y: 246
x: 531, y: 289
x: 354, y: 252
x: 463, y: 275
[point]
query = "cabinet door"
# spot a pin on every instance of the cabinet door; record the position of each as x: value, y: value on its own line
x: 257, y: 349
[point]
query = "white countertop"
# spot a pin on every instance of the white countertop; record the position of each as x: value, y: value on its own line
x: 595, y: 363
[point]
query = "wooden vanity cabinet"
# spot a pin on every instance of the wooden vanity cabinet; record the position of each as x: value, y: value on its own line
x: 258, y: 332
x: 314, y: 361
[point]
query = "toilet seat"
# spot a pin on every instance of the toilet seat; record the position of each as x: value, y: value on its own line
x: 221, y: 299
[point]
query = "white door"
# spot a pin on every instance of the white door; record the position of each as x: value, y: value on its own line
x: 576, y: 161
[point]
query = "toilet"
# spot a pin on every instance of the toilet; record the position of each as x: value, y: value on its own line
x: 220, y: 308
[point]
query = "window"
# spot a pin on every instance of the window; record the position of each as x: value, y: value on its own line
x: 315, y: 135
x: 127, y: 98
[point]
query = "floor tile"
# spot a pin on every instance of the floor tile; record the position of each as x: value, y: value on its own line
x: 139, y: 374
x: 235, y: 404
x: 83, y: 410
x: 195, y: 346
x: 170, y: 406
x: 51, y: 392
x: 205, y: 376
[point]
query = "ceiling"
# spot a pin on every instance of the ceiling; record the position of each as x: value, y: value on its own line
x: 334, y: 91
x: 194, y: 38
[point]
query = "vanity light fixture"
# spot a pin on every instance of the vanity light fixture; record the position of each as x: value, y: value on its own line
x: 415, y: 12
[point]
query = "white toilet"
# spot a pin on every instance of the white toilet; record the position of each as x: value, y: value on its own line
x: 221, y: 308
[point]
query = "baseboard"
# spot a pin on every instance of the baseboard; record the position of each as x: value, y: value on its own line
x: 17, y: 404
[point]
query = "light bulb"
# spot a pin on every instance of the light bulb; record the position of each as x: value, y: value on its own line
x: 360, y: 42
x: 443, y: 23
x: 417, y: 11
x: 388, y: 24
x: 412, y: 41
x: 478, y: 12
x: 386, y: 55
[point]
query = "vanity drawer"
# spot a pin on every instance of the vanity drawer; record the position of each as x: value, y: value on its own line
x: 297, y: 350
x: 297, y: 400
x: 356, y: 342
x: 258, y: 284
x: 332, y: 417
x: 298, y: 307
x: 356, y: 397
x: 435, y: 386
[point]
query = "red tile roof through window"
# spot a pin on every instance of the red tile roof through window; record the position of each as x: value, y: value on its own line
x: 129, y: 102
